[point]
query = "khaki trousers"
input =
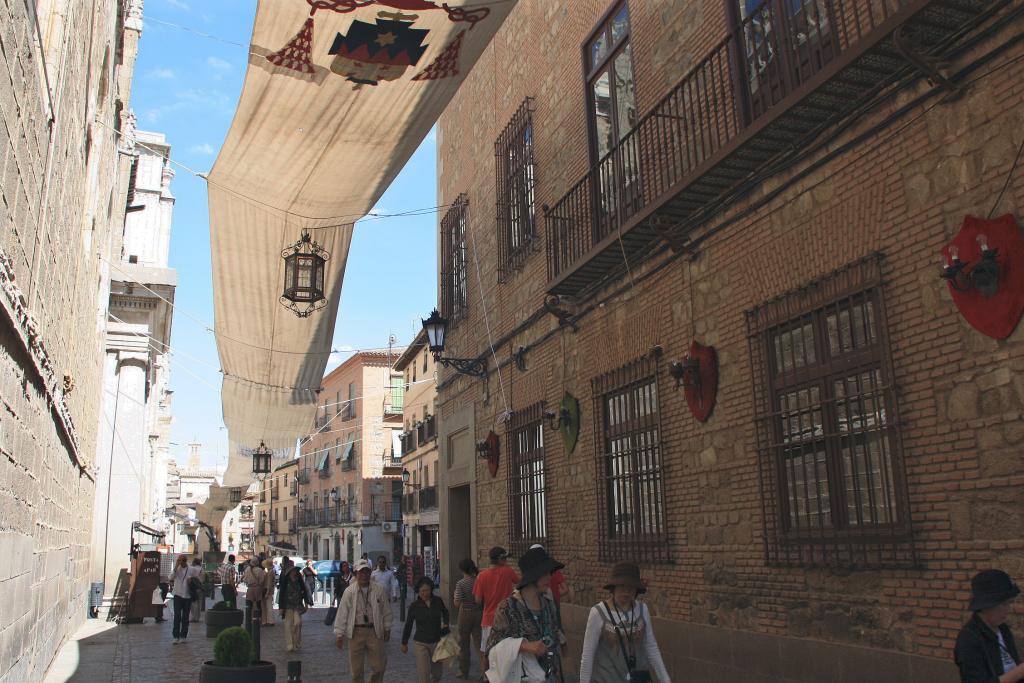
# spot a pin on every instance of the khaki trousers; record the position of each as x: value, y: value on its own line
x: 427, y: 670
x: 469, y: 636
x: 292, y: 630
x: 366, y: 645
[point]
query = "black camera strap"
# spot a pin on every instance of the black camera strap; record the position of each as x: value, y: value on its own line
x: 628, y: 654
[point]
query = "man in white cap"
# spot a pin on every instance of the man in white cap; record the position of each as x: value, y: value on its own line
x: 364, y: 618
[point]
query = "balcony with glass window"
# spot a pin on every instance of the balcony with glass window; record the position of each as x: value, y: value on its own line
x: 785, y: 72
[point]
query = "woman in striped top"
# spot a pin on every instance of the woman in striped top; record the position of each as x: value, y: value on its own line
x: 470, y: 614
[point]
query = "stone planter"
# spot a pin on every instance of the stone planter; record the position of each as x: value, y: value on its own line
x: 218, y: 620
x: 261, y: 672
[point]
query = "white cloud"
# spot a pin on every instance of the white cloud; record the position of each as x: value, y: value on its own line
x: 162, y: 74
x: 205, y: 149
x: 218, y: 63
x: 152, y: 115
x: 178, y: 4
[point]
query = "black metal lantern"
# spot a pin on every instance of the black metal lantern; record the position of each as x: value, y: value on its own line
x: 405, y: 476
x: 304, y: 268
x: 261, y: 459
x: 437, y: 329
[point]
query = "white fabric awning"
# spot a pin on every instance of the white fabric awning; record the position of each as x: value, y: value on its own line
x: 337, y: 96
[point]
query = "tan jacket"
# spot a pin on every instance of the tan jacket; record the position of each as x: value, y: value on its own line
x: 380, y: 608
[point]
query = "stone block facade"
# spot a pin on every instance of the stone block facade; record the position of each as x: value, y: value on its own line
x: 891, y: 185
x: 63, y: 97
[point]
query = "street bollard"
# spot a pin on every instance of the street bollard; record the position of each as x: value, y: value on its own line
x: 248, y: 617
x: 294, y: 672
x: 256, y: 618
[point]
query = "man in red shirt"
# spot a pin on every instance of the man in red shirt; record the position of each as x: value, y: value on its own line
x: 492, y: 586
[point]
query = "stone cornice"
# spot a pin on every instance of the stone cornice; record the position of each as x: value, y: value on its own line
x: 26, y: 328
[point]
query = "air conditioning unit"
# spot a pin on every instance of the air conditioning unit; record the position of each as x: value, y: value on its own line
x: 388, y: 527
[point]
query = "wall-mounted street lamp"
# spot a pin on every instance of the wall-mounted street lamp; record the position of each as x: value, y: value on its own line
x: 437, y: 329
x: 556, y: 421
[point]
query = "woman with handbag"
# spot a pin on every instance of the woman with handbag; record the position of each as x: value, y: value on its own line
x: 430, y: 616
x: 470, y: 614
x: 529, y: 616
x: 619, y: 643
x: 293, y: 597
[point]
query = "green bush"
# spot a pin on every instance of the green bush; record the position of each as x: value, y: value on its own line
x: 233, y: 648
x: 220, y: 607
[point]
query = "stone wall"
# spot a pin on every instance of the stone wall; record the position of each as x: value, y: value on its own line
x: 902, y: 191
x: 62, y: 194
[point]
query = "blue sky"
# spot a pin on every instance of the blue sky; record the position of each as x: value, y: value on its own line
x: 186, y: 86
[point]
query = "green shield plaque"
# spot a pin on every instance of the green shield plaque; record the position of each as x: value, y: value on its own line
x: 571, y: 430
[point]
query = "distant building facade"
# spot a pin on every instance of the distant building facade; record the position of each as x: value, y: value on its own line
x: 420, y: 521
x: 134, y: 434
x: 350, y: 484
x: 277, y: 511
x: 188, y: 487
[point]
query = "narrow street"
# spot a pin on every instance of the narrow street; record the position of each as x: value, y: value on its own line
x: 102, y: 651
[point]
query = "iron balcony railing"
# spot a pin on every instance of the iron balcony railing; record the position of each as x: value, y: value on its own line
x: 780, y: 47
x: 391, y: 462
x: 302, y: 476
x: 409, y: 505
x: 275, y: 493
x: 291, y: 526
x: 392, y: 511
x: 428, y: 498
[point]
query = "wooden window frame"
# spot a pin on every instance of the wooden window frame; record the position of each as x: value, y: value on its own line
x: 515, y: 192
x: 842, y: 541
x: 618, y: 418
x: 527, y: 480
x: 454, y: 287
x: 592, y: 71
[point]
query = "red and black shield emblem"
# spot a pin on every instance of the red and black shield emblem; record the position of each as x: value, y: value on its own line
x: 996, y: 315
x: 493, y: 453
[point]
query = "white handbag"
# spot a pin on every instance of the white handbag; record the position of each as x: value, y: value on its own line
x: 157, y: 598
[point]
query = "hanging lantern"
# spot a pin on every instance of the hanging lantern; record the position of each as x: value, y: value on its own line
x: 304, y: 267
x: 437, y: 328
x: 261, y: 459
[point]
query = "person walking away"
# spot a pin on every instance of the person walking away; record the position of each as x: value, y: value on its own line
x: 529, y: 614
x: 182, y: 592
x: 469, y: 614
x: 270, y: 579
x: 293, y: 597
x: 228, y: 577
x: 492, y: 586
x: 385, y: 577
x: 364, y: 618
x: 309, y: 576
x: 402, y: 577
x: 619, y: 643
x: 985, y: 649
x: 198, y: 590
x: 430, y: 616
x: 254, y: 578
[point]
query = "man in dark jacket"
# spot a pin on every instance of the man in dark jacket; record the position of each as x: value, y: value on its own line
x: 292, y: 598
x: 985, y: 650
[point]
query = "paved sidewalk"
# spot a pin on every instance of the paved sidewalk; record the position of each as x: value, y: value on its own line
x: 141, y: 653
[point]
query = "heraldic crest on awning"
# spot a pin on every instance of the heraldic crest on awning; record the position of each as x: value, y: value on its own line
x: 337, y: 96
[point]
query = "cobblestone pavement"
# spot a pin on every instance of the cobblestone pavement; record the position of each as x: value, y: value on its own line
x: 142, y: 653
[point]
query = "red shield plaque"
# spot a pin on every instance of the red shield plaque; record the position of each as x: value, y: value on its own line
x: 700, y: 395
x: 996, y: 316
x: 493, y: 453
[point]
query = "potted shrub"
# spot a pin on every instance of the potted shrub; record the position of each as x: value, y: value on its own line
x: 221, y: 616
x: 232, y: 663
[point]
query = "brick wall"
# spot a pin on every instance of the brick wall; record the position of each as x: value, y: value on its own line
x: 61, y: 212
x: 902, y: 192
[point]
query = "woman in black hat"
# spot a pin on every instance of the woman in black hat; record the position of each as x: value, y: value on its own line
x: 985, y: 650
x: 530, y: 614
x: 619, y: 643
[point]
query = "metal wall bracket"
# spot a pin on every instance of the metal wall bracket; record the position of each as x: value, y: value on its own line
x: 925, y: 64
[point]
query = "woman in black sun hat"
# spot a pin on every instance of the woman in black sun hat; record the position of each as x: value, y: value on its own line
x: 985, y: 649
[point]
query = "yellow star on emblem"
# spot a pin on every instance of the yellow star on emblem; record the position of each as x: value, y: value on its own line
x: 386, y: 39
